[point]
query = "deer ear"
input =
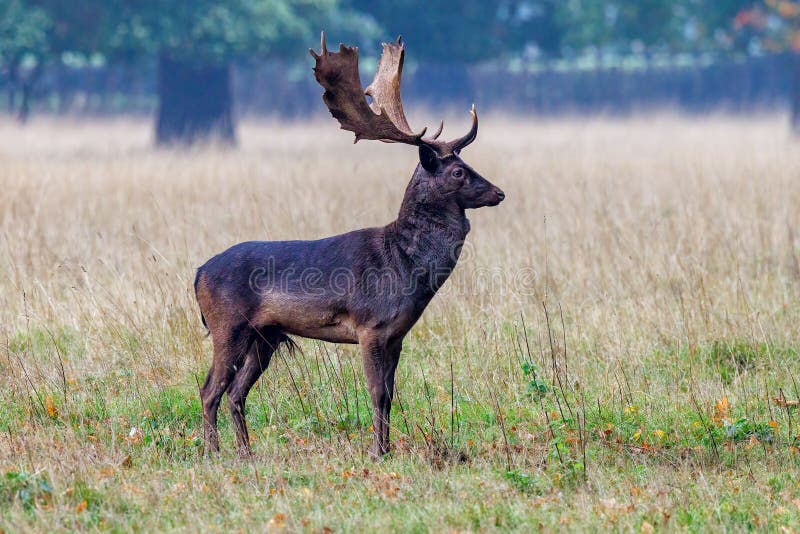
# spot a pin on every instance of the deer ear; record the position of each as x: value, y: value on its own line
x: 429, y: 159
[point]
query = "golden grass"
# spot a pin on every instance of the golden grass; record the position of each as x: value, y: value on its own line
x: 669, y: 245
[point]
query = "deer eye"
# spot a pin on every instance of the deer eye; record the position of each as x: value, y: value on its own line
x: 458, y: 173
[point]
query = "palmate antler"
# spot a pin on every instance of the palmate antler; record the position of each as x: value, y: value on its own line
x: 384, y: 120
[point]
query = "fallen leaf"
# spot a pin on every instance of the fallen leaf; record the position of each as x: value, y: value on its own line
x: 277, y: 522
x: 721, y: 408
x: 50, y: 406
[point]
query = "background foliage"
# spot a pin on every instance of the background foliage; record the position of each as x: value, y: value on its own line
x: 40, y: 34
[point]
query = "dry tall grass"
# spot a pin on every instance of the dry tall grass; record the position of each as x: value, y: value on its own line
x: 665, y: 249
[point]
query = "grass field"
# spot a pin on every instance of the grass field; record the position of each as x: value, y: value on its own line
x: 619, y: 346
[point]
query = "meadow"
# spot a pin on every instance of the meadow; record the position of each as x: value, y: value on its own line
x: 619, y: 347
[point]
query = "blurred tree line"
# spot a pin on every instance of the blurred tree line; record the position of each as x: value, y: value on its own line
x: 195, y: 42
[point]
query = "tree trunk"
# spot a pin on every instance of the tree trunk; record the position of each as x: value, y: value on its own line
x: 796, y: 93
x: 28, y: 84
x: 195, y: 102
x: 24, y: 112
x: 13, y: 81
x: 11, y: 101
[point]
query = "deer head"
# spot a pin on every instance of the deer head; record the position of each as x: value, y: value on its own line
x: 443, y: 173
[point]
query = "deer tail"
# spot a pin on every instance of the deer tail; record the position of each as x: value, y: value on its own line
x: 196, y: 286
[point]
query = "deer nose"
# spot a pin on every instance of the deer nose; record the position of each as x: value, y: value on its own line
x: 500, y: 195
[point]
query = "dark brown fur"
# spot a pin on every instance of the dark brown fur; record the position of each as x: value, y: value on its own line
x: 254, y: 294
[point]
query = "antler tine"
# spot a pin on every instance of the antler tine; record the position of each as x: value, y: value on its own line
x: 438, y: 132
x: 456, y: 145
x: 323, y: 48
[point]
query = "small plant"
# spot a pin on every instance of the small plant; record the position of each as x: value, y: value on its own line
x: 536, y: 386
x: 522, y: 481
x: 732, y: 358
x: 743, y: 430
x: 27, y: 489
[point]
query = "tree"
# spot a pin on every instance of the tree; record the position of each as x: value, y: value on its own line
x: 774, y: 26
x: 635, y: 26
x: 446, y: 37
x: 196, y: 44
x: 24, y: 49
x: 472, y: 31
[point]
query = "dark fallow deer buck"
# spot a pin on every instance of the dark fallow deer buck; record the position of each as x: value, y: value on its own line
x: 368, y: 286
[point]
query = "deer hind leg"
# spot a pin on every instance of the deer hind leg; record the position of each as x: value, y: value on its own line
x: 380, y: 363
x: 229, y: 353
x: 256, y: 362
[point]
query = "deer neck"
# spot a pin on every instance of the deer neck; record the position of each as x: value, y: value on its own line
x: 429, y: 237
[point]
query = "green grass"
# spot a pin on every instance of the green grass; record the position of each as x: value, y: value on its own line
x: 513, y: 453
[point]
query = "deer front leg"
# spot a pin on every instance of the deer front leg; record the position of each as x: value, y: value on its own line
x: 380, y: 363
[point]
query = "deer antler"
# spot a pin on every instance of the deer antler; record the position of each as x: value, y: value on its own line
x: 337, y: 73
x: 384, y: 120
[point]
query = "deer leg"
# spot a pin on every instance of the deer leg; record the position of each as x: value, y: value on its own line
x: 255, y: 364
x: 392, y: 359
x: 380, y: 363
x: 228, y: 355
x: 210, y: 395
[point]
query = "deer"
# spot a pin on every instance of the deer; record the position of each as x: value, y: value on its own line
x: 366, y: 287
